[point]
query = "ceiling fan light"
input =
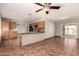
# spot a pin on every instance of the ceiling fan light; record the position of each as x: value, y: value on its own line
x: 47, y: 12
x: 46, y: 9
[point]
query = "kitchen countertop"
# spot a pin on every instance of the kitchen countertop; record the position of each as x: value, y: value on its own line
x: 32, y: 33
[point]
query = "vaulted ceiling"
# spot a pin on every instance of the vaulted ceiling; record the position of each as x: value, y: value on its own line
x: 22, y: 11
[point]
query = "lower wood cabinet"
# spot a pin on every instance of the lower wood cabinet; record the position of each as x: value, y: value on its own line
x: 12, y: 35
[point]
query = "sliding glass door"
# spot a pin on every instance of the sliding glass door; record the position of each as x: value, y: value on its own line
x: 70, y: 30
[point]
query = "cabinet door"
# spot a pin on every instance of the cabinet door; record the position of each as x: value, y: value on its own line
x: 12, y: 35
x: 41, y: 24
x: 5, y: 29
x: 12, y: 25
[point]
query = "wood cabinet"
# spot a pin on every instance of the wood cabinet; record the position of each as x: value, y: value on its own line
x: 6, y: 26
x: 12, y: 24
x: 8, y: 37
x: 41, y: 24
x: 12, y: 35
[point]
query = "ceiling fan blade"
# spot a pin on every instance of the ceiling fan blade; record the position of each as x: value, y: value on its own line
x: 49, y: 3
x: 39, y: 4
x: 38, y: 10
x: 47, y: 12
x: 54, y: 7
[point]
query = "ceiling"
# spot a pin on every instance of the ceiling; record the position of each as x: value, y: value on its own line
x: 21, y: 11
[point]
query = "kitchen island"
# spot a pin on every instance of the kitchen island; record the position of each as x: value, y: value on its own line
x: 30, y: 37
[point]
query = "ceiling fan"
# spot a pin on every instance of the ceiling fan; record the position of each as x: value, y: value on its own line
x: 46, y: 7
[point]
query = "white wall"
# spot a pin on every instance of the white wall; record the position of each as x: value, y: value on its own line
x: 22, y: 26
x: 49, y: 29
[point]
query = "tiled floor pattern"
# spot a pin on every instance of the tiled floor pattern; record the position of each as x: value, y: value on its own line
x: 50, y: 47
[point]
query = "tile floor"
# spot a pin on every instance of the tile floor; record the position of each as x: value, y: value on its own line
x: 50, y: 47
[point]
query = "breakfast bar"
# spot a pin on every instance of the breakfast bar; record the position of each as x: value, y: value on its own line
x: 32, y: 37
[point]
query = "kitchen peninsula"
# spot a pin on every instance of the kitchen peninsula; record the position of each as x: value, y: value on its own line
x: 33, y: 36
x: 28, y: 38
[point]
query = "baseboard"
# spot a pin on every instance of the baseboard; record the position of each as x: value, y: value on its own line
x: 49, y: 38
x: 52, y: 37
x: 57, y: 36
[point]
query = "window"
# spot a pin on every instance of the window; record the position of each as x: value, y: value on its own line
x: 70, y: 29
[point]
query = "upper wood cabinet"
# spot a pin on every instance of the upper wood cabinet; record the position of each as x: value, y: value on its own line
x: 41, y: 24
x: 12, y: 24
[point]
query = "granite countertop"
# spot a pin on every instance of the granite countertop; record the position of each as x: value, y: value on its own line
x: 32, y: 33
